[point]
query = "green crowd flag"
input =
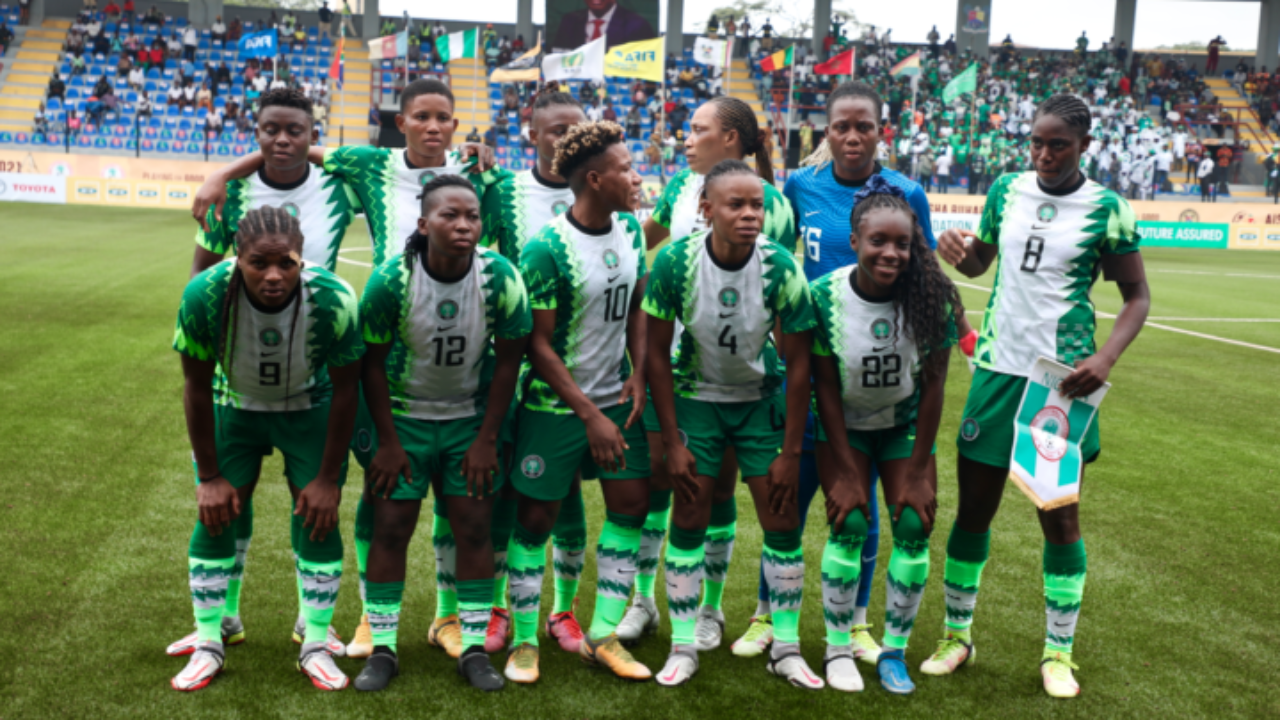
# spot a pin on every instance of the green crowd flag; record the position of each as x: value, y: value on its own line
x: 965, y: 82
x: 457, y: 45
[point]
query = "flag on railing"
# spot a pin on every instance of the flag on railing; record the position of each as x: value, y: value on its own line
x: 336, y: 67
x: 841, y: 64
x: 459, y: 45
x: 780, y: 60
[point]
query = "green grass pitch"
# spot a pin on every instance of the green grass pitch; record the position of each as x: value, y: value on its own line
x: 1180, y: 615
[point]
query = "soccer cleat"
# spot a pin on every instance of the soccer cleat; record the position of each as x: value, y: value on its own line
x: 681, y: 665
x: 608, y: 652
x: 232, y: 634
x: 474, y: 665
x: 641, y: 619
x: 361, y: 645
x: 1059, y: 681
x: 757, y: 638
x: 332, y: 643
x: 446, y: 633
x: 841, y: 671
x: 892, y: 668
x: 499, y: 630
x: 316, y: 662
x: 708, y: 630
x: 522, y: 664
x: 951, y: 654
x: 565, y: 629
x: 792, y: 668
x: 379, y: 670
x: 865, y: 648
x: 206, y: 662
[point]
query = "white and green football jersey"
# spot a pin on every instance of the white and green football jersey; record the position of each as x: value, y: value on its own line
x: 677, y: 210
x: 323, y: 204
x: 278, y: 360
x: 589, y: 281
x: 442, y: 355
x: 389, y: 189
x: 1050, y: 249
x: 725, y: 352
x: 878, y: 362
x: 518, y: 207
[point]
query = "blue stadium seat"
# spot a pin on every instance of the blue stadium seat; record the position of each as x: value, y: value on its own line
x: 194, y: 148
x: 117, y: 143
x: 21, y: 138
x: 223, y: 149
x: 6, y: 137
x: 53, y: 104
x: 181, y: 134
x: 162, y: 146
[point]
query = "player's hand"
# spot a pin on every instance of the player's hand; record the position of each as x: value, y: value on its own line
x: 918, y: 492
x: 479, y: 466
x: 483, y: 154
x: 1089, y: 375
x: 318, y: 506
x: 219, y: 504
x: 846, y: 496
x: 683, y: 469
x: 389, y: 463
x: 608, y: 447
x: 953, y: 245
x: 633, y: 388
x: 213, y: 193
x: 783, y: 483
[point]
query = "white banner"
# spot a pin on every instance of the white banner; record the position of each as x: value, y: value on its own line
x: 16, y: 187
x: 585, y: 63
x: 1047, y: 462
x: 710, y: 52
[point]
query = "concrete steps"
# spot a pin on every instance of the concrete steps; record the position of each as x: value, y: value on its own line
x: 349, y: 108
x: 740, y: 86
x: 1252, y: 130
x: 469, y: 80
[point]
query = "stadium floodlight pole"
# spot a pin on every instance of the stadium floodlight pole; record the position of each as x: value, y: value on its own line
x: 791, y: 109
x: 485, y: 74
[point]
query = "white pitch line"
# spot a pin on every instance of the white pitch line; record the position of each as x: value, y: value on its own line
x: 1200, y: 272
x: 354, y: 262
x: 1169, y: 328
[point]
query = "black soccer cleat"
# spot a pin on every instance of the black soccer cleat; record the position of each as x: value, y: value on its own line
x: 474, y: 665
x: 381, y: 667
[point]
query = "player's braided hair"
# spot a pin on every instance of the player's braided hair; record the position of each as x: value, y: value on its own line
x: 285, y: 97
x: 1070, y: 109
x: 582, y: 142
x: 255, y: 225
x: 923, y: 296
x: 416, y: 246
x: 852, y: 89
x: 554, y: 97
x: 738, y: 116
x: 424, y: 86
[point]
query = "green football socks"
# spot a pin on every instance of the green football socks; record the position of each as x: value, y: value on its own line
x: 966, y: 556
x: 208, y: 579
x: 475, y: 604
x: 841, y: 571
x: 446, y: 564
x: 686, y: 552
x: 719, y: 550
x: 244, y: 534
x: 382, y: 605
x: 1064, y: 573
x: 526, y: 563
x: 908, y: 572
x: 652, y: 534
x: 615, y: 569
x: 364, y: 539
x: 568, y: 551
x: 504, y: 520
x: 783, y: 560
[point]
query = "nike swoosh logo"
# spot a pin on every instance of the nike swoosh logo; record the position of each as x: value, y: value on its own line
x: 896, y: 606
x: 615, y: 277
x: 726, y: 315
x: 443, y: 328
x: 1039, y: 227
x: 881, y: 349
x: 577, y: 554
x: 627, y: 572
x: 1062, y: 624
x: 815, y: 212
x: 271, y: 354
x: 833, y: 602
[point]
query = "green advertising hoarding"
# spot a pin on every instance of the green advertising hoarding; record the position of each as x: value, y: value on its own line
x: 1185, y: 235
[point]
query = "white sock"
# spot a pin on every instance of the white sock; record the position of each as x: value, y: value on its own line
x: 859, y: 616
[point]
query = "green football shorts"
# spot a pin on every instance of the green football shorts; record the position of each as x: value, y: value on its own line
x: 650, y: 415
x: 753, y: 429
x: 436, y: 447
x: 244, y: 437
x: 895, y: 443
x: 552, y: 448
x: 986, y: 432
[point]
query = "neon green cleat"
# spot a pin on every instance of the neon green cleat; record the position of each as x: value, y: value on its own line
x: 865, y: 648
x: 953, y: 651
x: 1056, y: 669
x: 757, y: 638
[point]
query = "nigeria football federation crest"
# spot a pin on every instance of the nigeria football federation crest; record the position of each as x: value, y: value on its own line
x: 558, y: 207
x: 729, y: 298
x: 533, y: 466
x: 270, y: 337
x: 1049, y: 430
x: 291, y: 209
x: 447, y: 309
x: 427, y: 177
x: 969, y: 429
x: 1046, y: 212
x: 611, y: 260
x: 881, y: 329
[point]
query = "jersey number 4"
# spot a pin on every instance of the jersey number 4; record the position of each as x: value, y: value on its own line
x: 880, y: 371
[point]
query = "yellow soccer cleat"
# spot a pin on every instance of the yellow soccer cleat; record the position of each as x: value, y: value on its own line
x: 522, y: 664
x: 1056, y: 669
x: 446, y: 632
x: 361, y: 645
x: 608, y: 652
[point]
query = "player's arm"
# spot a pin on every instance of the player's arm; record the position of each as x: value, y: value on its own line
x: 318, y: 501
x: 1130, y: 275
x: 654, y: 233
x: 217, y: 500
x: 203, y: 260
x: 213, y: 193
x: 637, y: 348
x: 784, y: 471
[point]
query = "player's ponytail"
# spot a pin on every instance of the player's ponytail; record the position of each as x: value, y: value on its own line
x: 923, y: 296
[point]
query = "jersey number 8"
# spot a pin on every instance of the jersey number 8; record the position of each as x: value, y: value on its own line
x: 1031, y: 256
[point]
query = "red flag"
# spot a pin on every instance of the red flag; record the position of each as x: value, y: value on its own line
x: 337, y: 67
x: 841, y: 64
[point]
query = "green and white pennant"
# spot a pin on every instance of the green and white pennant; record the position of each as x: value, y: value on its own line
x: 456, y: 46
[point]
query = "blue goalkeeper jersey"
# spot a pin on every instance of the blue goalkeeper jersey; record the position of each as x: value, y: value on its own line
x: 822, y: 203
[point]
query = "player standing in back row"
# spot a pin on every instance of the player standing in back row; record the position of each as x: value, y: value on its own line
x: 1051, y: 231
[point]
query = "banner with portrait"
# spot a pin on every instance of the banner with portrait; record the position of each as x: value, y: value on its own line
x: 574, y: 23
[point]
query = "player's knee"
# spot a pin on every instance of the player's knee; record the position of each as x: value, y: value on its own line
x: 855, y: 525
x: 393, y: 531
x: 909, y: 527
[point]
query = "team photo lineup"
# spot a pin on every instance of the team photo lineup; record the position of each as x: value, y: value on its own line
x: 514, y: 343
x: 639, y: 359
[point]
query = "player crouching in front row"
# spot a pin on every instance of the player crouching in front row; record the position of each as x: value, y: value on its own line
x: 271, y: 358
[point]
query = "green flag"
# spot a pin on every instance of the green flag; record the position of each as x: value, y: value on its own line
x: 965, y: 82
x: 456, y: 46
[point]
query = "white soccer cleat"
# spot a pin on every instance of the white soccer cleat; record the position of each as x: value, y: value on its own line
x: 232, y: 634
x: 681, y: 665
x: 842, y: 672
x: 316, y: 662
x: 333, y: 643
x: 205, y: 663
x: 641, y: 619
x: 792, y: 668
x: 708, y: 631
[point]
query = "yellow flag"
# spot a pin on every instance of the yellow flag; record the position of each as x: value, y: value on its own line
x: 641, y: 60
